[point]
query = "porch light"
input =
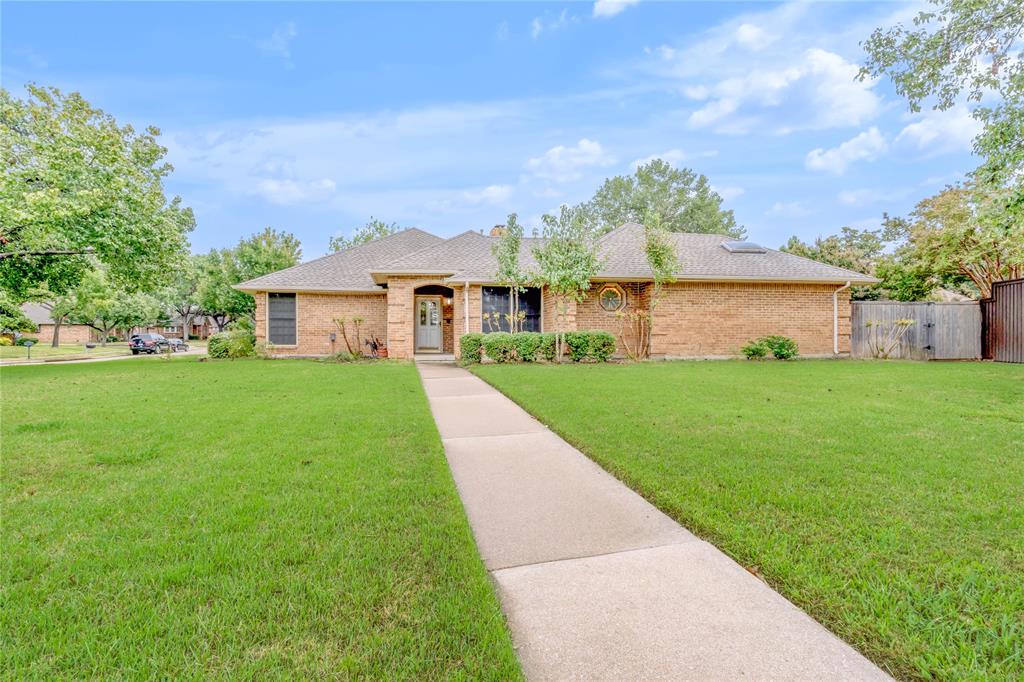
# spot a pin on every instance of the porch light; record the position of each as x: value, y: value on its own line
x: 448, y: 301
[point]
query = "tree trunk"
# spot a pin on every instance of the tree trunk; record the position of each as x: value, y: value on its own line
x: 56, y: 332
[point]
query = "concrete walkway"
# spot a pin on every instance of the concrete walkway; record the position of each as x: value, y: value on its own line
x: 596, y: 583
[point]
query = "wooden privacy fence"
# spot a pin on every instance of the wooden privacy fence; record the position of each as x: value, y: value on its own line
x: 941, y: 331
x: 1002, y: 322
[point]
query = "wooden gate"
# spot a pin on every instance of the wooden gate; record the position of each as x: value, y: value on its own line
x: 1002, y: 326
x: 941, y: 331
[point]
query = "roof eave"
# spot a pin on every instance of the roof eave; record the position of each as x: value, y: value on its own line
x: 278, y: 288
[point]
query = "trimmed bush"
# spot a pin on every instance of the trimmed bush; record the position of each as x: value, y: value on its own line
x: 782, y: 347
x: 578, y: 344
x: 527, y: 344
x: 755, y: 350
x: 499, y: 347
x: 6, y: 341
x: 547, y: 347
x: 469, y: 347
x: 22, y: 340
x: 602, y: 345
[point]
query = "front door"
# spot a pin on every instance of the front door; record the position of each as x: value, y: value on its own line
x: 428, y: 323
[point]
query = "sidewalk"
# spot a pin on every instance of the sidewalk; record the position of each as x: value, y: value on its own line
x: 595, y: 582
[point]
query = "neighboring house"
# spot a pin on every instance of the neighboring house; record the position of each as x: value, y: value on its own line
x: 200, y: 327
x: 45, y: 325
x: 420, y: 293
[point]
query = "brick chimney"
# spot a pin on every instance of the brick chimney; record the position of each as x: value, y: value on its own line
x: 497, y: 230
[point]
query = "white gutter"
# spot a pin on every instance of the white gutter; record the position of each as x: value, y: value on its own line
x: 835, y: 318
x: 465, y: 305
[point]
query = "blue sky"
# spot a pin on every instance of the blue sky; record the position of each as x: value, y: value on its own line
x: 313, y: 117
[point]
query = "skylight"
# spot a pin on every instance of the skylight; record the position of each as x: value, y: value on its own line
x: 743, y: 247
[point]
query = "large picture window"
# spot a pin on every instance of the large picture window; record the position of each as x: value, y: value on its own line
x: 497, y: 304
x: 281, y: 319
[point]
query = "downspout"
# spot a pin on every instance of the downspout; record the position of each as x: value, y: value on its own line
x: 465, y: 306
x: 835, y: 318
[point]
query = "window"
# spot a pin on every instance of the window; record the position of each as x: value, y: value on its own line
x: 281, y: 319
x: 170, y: 330
x: 497, y: 303
x: 611, y: 298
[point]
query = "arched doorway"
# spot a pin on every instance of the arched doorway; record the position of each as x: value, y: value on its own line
x: 432, y: 319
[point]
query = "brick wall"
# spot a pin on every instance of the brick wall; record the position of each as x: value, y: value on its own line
x: 401, y: 315
x: 315, y: 324
x: 549, y: 314
x: 69, y: 333
x: 590, y: 314
x: 707, y: 319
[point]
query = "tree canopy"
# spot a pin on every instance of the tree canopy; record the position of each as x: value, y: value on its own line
x: 259, y: 254
x: 373, y: 229
x: 76, y: 183
x: 681, y: 199
x: 957, y: 50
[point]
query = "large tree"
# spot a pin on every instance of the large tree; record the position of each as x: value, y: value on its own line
x: 681, y: 199
x: 566, y: 260
x: 373, y: 229
x: 260, y: 254
x: 75, y: 182
x: 102, y: 305
x: 968, y: 232
x: 182, y: 296
x: 956, y: 50
x: 858, y: 250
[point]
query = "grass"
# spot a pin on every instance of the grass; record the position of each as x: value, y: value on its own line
x: 69, y: 351
x: 243, y: 519
x: 886, y: 499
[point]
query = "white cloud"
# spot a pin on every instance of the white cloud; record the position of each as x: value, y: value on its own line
x: 544, y: 25
x: 867, y: 146
x: 792, y: 209
x: 754, y: 37
x: 860, y: 197
x: 940, y: 132
x: 492, y: 194
x: 286, y: 191
x: 674, y: 156
x: 610, y: 8
x: 728, y: 193
x: 279, y: 42
x: 564, y: 164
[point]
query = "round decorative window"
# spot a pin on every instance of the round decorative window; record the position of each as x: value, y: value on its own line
x: 611, y: 298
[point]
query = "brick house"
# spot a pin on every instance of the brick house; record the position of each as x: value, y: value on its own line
x: 40, y: 315
x: 200, y: 327
x: 419, y: 293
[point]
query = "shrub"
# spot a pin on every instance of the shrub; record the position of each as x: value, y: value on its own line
x: 578, y: 344
x: 235, y: 343
x: 6, y: 341
x: 469, y: 347
x: 602, y: 345
x: 782, y: 347
x: 755, y: 350
x: 527, y: 345
x: 547, y: 347
x: 22, y: 340
x: 499, y: 347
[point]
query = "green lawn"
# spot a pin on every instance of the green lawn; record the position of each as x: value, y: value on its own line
x: 243, y: 519
x: 68, y: 351
x: 886, y: 499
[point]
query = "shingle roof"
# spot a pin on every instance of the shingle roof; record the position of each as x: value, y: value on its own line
x: 37, y: 313
x: 469, y: 257
x: 702, y: 256
x: 347, y: 270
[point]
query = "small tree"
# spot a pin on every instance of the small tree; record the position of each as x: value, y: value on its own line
x: 510, y: 272
x: 105, y: 308
x: 664, y: 263
x: 567, y: 261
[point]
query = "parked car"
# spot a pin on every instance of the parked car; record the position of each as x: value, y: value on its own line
x: 148, y: 343
x: 177, y: 345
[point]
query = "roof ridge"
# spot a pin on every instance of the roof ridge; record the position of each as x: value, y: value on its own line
x: 817, y: 262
